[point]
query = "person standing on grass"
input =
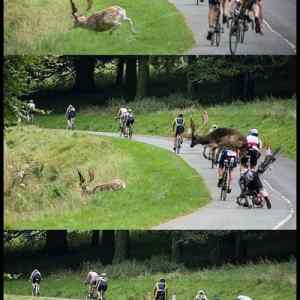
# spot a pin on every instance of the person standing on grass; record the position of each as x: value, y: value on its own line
x: 70, y: 115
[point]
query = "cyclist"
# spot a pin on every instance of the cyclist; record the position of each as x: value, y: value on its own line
x: 213, y: 15
x: 129, y: 120
x: 101, y: 285
x: 160, y: 290
x: 200, y: 295
x: 243, y: 298
x: 254, y: 145
x: 178, y: 126
x: 31, y: 110
x: 35, y: 277
x: 91, y: 280
x: 121, y: 117
x: 231, y: 156
x: 70, y: 115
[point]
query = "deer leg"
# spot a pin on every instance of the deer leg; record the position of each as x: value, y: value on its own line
x: 130, y: 23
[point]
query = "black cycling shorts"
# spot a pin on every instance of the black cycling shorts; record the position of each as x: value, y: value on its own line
x: 160, y: 295
x: 129, y: 122
x: 102, y: 286
x: 179, y: 130
x: 225, y: 156
x: 254, y: 156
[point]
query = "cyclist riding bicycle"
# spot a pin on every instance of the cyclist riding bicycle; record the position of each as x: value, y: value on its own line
x: 31, y: 110
x: 129, y: 119
x: 254, y: 145
x: 231, y: 156
x: 101, y: 285
x: 178, y: 126
x: 35, y: 277
x: 200, y: 295
x: 70, y: 115
x: 160, y: 290
x: 213, y: 14
x: 254, y: 6
x: 121, y: 117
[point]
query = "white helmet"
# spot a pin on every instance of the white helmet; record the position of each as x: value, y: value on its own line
x: 201, y: 292
x: 254, y: 131
x: 103, y: 274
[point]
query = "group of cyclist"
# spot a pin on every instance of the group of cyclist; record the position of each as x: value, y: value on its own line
x: 98, y: 285
x: 253, y: 7
x: 126, y: 121
x: 247, y: 162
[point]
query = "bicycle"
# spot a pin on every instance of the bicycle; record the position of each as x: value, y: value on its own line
x: 228, y: 165
x: 35, y: 289
x: 218, y: 29
x: 178, y: 143
x: 238, y: 27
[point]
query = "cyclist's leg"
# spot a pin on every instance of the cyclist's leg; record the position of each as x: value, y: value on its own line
x: 210, y: 19
x: 258, y: 16
x: 221, y: 169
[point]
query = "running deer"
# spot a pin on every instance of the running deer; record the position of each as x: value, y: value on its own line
x: 226, y: 137
x: 108, y: 19
x: 88, y: 188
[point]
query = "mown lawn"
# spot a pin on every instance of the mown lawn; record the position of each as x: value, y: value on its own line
x: 160, y: 185
x: 274, y: 118
x: 46, y: 27
x: 265, y: 280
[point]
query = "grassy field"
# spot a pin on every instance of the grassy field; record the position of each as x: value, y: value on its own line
x: 160, y: 186
x: 274, y: 118
x: 132, y: 280
x: 31, y: 29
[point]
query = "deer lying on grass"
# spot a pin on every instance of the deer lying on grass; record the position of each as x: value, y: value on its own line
x: 108, y: 19
x: 220, y: 137
x: 88, y: 188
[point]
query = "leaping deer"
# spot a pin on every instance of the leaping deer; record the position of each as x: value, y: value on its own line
x: 108, y: 19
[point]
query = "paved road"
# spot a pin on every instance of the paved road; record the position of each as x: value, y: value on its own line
x: 279, y: 29
x: 222, y: 215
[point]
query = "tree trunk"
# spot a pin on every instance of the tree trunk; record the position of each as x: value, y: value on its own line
x: 107, y: 246
x: 56, y: 242
x: 95, y: 238
x: 143, y: 76
x: 7, y: 171
x: 120, y: 72
x: 122, y: 242
x: 84, y: 68
x: 131, y: 76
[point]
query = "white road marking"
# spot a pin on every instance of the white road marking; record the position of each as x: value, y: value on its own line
x: 289, y: 203
x: 294, y: 48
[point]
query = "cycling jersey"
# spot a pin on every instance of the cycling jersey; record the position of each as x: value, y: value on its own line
x: 253, y: 142
x: 36, y: 276
x: 231, y: 156
x: 91, y: 277
x: 101, y: 284
x: 161, y: 286
x: 179, y: 122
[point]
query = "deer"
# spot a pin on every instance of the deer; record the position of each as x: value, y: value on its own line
x: 88, y: 188
x: 221, y: 137
x: 108, y: 19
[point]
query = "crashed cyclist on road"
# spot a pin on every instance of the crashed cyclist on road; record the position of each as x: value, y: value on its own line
x: 178, y: 126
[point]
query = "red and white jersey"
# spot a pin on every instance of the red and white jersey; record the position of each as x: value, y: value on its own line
x: 90, y: 276
x: 253, y: 142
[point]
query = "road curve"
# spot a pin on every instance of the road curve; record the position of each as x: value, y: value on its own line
x: 222, y: 215
x: 279, y: 29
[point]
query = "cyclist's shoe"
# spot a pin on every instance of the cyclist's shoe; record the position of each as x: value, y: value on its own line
x: 225, y: 19
x: 209, y: 35
x: 229, y: 190
x: 220, y: 182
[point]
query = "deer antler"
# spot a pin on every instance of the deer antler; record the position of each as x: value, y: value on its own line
x: 81, y: 178
x: 91, y: 175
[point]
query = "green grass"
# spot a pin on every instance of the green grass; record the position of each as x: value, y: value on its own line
x: 46, y: 27
x: 160, y: 185
x: 274, y: 118
x: 264, y: 280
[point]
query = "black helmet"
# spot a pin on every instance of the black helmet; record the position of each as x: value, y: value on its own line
x: 162, y: 280
x: 180, y: 115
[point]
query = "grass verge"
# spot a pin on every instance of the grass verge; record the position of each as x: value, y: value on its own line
x: 160, y: 186
x: 31, y: 29
x: 264, y: 280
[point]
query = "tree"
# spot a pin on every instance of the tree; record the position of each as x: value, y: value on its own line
x: 56, y: 242
x: 121, y: 245
x: 131, y: 76
x: 107, y: 246
x: 143, y: 76
x: 120, y: 71
x: 95, y: 237
x: 84, y: 70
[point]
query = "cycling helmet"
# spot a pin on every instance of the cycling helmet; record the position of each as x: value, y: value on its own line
x: 103, y: 274
x: 201, y: 292
x: 180, y: 115
x: 162, y: 280
x: 254, y: 131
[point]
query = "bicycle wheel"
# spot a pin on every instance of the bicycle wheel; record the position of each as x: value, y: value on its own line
x: 224, y: 186
x: 130, y: 132
x: 218, y: 35
x: 243, y: 32
x: 234, y: 36
x: 178, y: 144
